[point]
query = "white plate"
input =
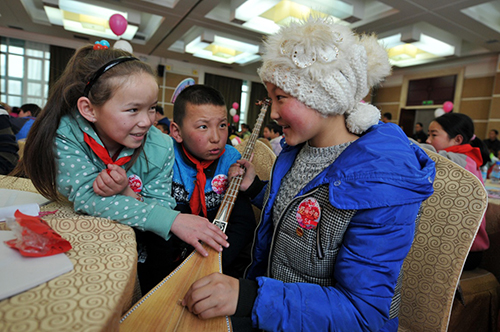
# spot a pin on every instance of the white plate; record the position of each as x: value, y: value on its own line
x: 19, y: 273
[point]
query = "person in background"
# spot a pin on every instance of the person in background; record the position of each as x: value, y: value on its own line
x: 387, y: 117
x: 420, y: 136
x: 275, y: 135
x: 339, y: 212
x: 245, y: 132
x: 23, y: 123
x: 492, y: 142
x: 452, y: 135
x: 164, y: 125
x: 15, y: 112
x: 266, y: 133
x: 29, y: 110
x: 233, y: 137
x: 8, y: 145
x: 93, y: 144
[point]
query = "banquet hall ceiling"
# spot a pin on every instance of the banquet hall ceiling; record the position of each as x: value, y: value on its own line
x: 165, y: 25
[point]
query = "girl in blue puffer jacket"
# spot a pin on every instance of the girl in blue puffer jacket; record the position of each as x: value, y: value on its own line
x: 339, y: 210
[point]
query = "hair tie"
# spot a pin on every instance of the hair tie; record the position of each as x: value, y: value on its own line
x: 101, y: 45
x: 473, y: 137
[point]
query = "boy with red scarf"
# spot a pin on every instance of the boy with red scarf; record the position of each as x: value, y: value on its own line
x: 202, y: 161
x: 452, y: 135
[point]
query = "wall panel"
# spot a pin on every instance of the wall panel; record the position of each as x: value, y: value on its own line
x: 478, y: 87
x: 477, y: 109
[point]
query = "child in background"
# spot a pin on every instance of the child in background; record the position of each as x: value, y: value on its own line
x: 275, y: 134
x: 245, y: 132
x: 233, y: 139
x: 339, y: 211
x: 22, y: 124
x: 93, y: 144
x: 164, y: 125
x: 452, y: 135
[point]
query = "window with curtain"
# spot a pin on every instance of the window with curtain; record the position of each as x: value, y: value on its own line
x: 24, y: 72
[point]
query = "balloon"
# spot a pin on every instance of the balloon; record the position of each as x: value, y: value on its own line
x: 118, y: 24
x: 438, y: 112
x: 447, y: 106
x: 236, y: 118
x: 105, y: 43
x: 232, y: 111
x: 236, y: 105
x: 123, y: 45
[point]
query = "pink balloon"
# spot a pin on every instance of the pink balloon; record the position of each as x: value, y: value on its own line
x: 447, y: 106
x: 118, y: 24
x: 236, y: 118
x: 236, y: 105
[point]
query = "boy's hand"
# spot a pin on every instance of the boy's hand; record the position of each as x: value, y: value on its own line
x: 111, y: 181
x: 246, y: 169
x: 213, y: 296
x: 192, y: 229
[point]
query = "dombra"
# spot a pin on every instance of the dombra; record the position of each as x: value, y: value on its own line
x: 161, y: 309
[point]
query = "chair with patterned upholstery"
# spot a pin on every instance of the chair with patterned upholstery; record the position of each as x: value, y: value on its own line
x: 263, y: 160
x: 478, y: 306
x: 449, y: 223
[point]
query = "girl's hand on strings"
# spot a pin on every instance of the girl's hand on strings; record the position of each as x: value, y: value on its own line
x: 244, y: 168
x: 213, y: 296
x: 111, y: 181
x: 193, y: 229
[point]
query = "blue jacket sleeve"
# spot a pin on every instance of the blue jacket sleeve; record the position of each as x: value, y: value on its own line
x: 258, y: 191
x: 366, y: 272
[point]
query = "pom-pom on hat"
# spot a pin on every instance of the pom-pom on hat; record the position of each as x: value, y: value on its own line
x: 328, y: 68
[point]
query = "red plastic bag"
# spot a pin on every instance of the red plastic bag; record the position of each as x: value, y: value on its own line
x: 34, y: 237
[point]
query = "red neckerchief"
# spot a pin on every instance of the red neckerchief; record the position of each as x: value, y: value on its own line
x: 197, y: 202
x: 102, y: 153
x: 469, y: 151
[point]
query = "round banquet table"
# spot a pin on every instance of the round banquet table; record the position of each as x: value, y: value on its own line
x: 95, y: 294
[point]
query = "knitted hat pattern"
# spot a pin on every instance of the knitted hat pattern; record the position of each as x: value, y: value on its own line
x: 328, y: 68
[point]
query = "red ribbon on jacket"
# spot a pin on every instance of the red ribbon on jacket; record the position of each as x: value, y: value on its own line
x: 197, y: 202
x: 102, y: 153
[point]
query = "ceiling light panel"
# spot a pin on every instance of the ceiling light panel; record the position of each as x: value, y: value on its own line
x: 215, y: 47
x: 89, y: 18
x: 487, y: 13
x: 266, y: 16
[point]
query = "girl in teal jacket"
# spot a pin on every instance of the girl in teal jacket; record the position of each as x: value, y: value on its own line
x: 94, y: 144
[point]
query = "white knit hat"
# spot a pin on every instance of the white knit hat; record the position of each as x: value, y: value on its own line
x: 328, y: 68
